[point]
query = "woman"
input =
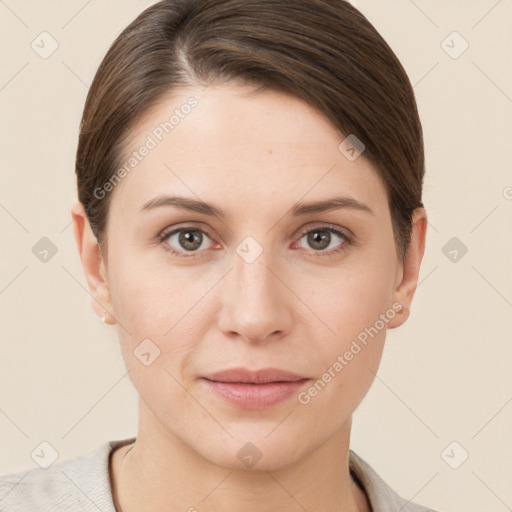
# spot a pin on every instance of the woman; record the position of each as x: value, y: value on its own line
x: 249, y: 215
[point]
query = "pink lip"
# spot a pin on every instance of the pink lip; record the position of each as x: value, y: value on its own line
x: 254, y: 389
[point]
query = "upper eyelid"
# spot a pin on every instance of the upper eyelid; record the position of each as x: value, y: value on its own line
x: 327, y: 226
x: 171, y: 231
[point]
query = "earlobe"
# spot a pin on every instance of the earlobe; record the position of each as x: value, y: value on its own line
x: 408, y: 281
x: 92, y: 263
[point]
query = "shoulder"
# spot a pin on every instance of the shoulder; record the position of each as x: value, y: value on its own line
x: 81, y: 483
x: 381, y: 496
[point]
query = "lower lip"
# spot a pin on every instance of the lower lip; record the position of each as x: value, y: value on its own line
x: 255, y: 396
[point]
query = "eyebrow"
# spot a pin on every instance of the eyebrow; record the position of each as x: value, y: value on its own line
x: 297, y: 210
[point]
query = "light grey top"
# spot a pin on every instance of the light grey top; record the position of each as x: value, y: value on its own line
x: 82, y: 484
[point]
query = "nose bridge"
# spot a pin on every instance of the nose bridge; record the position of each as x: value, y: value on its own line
x: 254, y: 305
x: 252, y: 274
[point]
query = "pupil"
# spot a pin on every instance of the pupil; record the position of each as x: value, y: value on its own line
x: 188, y: 237
x: 317, y: 238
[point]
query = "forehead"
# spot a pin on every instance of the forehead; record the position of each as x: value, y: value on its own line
x: 225, y: 143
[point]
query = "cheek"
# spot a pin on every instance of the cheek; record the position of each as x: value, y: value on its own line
x: 347, y: 360
x: 147, y: 297
x: 156, y: 342
x: 159, y: 313
x: 352, y: 313
x: 349, y: 300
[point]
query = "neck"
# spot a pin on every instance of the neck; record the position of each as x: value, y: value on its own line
x: 160, y: 472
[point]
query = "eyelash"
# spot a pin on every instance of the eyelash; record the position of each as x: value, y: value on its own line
x: 347, y: 241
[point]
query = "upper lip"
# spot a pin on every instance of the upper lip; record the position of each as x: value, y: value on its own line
x: 254, y: 376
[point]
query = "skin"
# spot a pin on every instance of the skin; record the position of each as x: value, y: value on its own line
x: 294, y: 308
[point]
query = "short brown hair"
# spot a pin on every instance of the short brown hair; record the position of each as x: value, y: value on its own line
x: 324, y: 52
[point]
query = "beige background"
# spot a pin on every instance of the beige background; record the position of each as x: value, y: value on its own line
x: 445, y: 375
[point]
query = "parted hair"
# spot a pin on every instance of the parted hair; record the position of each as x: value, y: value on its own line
x: 324, y: 52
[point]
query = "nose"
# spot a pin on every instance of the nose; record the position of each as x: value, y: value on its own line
x: 256, y: 305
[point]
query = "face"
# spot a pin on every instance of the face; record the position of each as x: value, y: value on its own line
x: 261, y: 282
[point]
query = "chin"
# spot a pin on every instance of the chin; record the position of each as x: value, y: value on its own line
x: 258, y: 452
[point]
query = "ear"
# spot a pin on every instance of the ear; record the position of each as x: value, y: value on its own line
x: 407, y: 276
x: 93, y: 264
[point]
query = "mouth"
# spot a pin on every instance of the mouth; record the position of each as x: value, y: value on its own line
x: 262, y: 376
x: 255, y: 390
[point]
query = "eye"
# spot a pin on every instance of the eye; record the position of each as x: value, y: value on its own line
x: 189, y: 240
x: 184, y: 240
x: 321, y: 238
